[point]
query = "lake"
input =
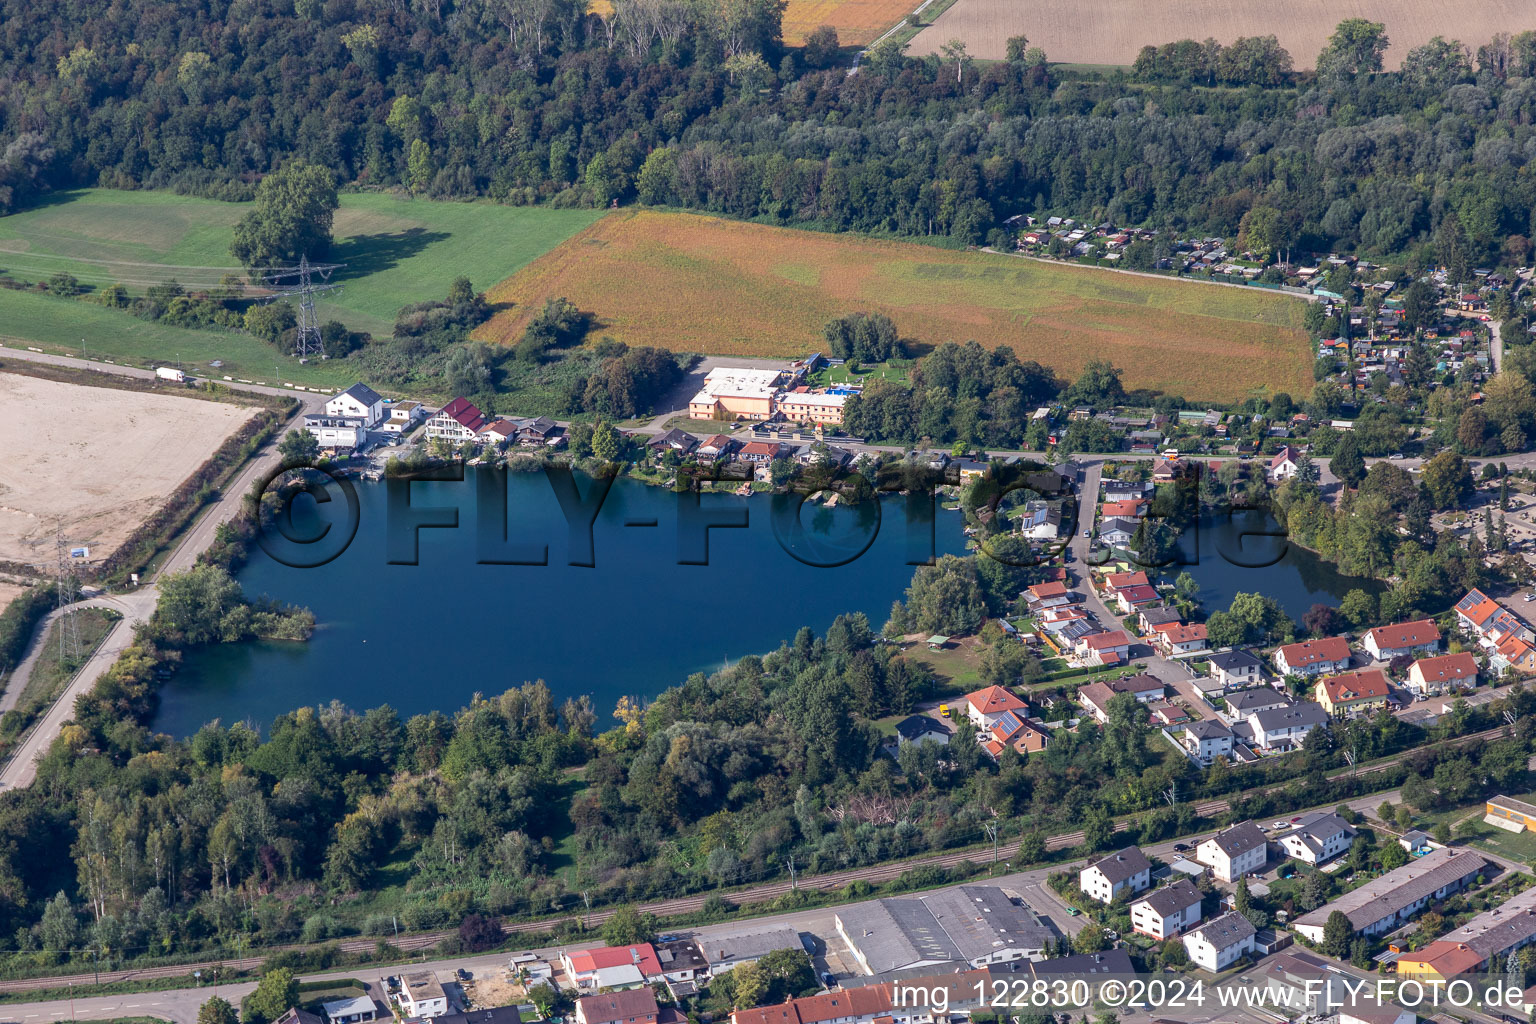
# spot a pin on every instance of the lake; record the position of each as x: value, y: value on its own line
x: 429, y: 636
x: 1241, y: 552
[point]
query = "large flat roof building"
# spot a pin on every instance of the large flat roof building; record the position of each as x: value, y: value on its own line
x: 1384, y: 903
x: 970, y: 924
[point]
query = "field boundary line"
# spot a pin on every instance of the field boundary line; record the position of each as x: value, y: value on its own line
x: 1144, y: 273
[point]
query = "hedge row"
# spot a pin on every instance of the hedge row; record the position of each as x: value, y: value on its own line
x: 19, y: 621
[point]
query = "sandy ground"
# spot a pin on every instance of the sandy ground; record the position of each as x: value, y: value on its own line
x: 1114, y: 31
x: 94, y: 461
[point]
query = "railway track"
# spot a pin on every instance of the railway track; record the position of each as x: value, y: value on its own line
x: 682, y: 904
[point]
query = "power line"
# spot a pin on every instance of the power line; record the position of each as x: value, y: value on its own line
x: 115, y: 263
x: 305, y: 288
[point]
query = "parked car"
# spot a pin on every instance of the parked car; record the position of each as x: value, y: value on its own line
x: 1073, y: 911
x: 462, y: 974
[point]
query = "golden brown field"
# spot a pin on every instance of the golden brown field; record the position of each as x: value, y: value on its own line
x: 701, y: 284
x: 858, y: 22
x: 1113, y: 31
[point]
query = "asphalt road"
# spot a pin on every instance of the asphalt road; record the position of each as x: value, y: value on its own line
x: 138, y: 605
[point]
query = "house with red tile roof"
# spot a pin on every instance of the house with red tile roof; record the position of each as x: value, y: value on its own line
x: 1173, y: 638
x: 1025, y: 735
x: 1489, y: 621
x: 1420, y: 636
x: 1133, y: 509
x: 1109, y: 647
x: 1118, y: 580
x: 1313, y: 657
x: 1049, y: 595
x: 985, y: 707
x: 612, y: 966
x: 459, y: 420
x: 1433, y: 676
x: 1285, y: 464
x: 1351, y: 694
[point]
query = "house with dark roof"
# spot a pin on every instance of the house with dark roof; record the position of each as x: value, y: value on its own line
x: 920, y: 729
x: 357, y: 402
x: 1117, y: 533
x: 1205, y: 740
x: 1143, y: 685
x: 1317, y: 838
x: 1281, y: 730
x: 679, y: 442
x: 1124, y: 871
x: 1235, y: 669
x: 1245, y: 704
x: 1166, y: 912
x: 1220, y: 942
x: 1148, y: 619
x: 1234, y: 852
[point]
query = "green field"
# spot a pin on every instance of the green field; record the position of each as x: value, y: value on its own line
x: 396, y: 250
x: 28, y: 320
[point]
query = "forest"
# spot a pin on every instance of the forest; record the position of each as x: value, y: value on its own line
x: 700, y: 106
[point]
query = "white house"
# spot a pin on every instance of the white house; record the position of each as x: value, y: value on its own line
x: 1285, y: 729
x: 985, y: 707
x: 1168, y: 911
x: 1421, y: 636
x: 1218, y: 943
x: 1244, y: 704
x: 1285, y: 464
x: 459, y: 420
x: 1324, y: 657
x: 403, y: 417
x: 1206, y: 740
x: 1116, y: 490
x: 1318, y: 837
x: 1235, y: 670
x: 1433, y: 676
x: 1233, y: 852
x: 359, y: 402
x: 422, y: 995
x: 1117, y: 533
x: 336, y: 431
x: 1126, y: 871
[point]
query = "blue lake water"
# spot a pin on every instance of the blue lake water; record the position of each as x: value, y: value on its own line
x: 1241, y: 553
x: 429, y: 636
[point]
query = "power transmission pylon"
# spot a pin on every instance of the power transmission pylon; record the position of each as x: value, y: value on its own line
x: 66, y: 590
x: 306, y: 288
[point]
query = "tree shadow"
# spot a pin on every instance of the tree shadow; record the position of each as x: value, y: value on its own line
x: 372, y: 254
